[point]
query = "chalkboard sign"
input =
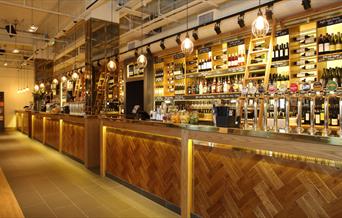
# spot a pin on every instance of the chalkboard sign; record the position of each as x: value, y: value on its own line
x: 329, y: 21
x: 282, y: 32
x: 204, y: 50
x: 236, y: 43
x: 333, y: 57
x: 179, y: 55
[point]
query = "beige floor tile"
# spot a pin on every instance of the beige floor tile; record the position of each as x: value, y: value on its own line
x: 48, y: 184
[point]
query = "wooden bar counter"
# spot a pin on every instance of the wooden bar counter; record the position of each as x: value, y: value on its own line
x: 215, y: 172
x: 75, y: 136
x: 23, y: 121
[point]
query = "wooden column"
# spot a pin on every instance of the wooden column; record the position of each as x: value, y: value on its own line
x: 60, y: 135
x: 186, y: 175
x: 91, y: 153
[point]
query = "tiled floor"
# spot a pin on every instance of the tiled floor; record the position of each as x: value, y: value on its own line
x: 48, y: 184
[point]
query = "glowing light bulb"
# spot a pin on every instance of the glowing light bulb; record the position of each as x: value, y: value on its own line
x: 64, y: 78
x: 260, y: 26
x: 111, y: 66
x: 74, y: 75
x: 55, y: 81
x: 42, y: 85
x: 36, y: 87
x: 142, y: 61
x: 187, y: 45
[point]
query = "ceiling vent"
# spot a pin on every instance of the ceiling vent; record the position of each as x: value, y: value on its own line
x: 205, y: 18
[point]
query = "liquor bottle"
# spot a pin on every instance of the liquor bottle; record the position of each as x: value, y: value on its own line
x: 321, y: 44
x: 225, y: 86
x: 286, y: 51
x: 281, y: 52
x: 332, y: 43
x: 205, y: 87
x: 189, y: 88
x: 200, y: 88
x: 334, y: 112
x: 213, y: 86
x: 339, y: 42
x: 322, y: 113
x: 326, y: 43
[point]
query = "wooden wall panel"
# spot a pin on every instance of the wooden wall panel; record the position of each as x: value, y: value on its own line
x: 27, y: 122
x: 231, y: 183
x: 52, y: 132
x: 73, y: 140
x: 151, y: 163
x: 38, y: 128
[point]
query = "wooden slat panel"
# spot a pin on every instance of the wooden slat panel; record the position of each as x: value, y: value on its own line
x: 73, y: 140
x: 38, y: 128
x: 230, y: 183
x: 52, y: 132
x: 151, y: 163
x: 26, y: 123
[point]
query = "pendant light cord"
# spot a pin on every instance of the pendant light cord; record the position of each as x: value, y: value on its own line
x: 187, y: 17
x: 142, y: 24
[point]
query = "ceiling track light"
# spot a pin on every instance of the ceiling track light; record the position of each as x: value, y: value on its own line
x: 217, y: 27
x: 178, y: 39
x: 269, y: 12
x: 241, y: 20
x: 195, y: 34
x: 162, y: 45
x: 148, y: 50
x: 306, y: 4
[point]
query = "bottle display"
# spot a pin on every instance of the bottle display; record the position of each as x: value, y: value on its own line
x: 280, y: 52
x: 330, y: 43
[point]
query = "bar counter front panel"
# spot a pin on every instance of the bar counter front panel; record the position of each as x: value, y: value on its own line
x: 230, y: 179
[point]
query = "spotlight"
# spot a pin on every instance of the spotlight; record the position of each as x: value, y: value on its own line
x: 162, y: 46
x: 5, y: 64
x: 148, y: 50
x: 241, y: 20
x: 306, y: 4
x: 178, y: 39
x: 195, y: 34
x: 136, y: 54
x: 15, y: 51
x: 33, y: 28
x: 10, y: 28
x: 269, y: 12
x: 217, y: 27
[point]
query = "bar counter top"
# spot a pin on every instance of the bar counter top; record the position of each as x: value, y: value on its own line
x: 295, y: 146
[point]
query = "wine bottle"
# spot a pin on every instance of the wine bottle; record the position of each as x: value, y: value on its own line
x: 287, y: 51
x: 339, y: 42
x: 327, y: 43
x: 332, y: 44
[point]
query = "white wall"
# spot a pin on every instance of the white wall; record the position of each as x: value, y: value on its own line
x: 13, y: 100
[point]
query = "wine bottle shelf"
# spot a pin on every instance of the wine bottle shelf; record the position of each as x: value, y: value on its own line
x: 330, y: 57
x: 259, y: 51
x: 221, y: 72
x: 199, y: 97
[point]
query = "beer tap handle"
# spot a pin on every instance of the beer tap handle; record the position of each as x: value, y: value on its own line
x: 255, y: 108
x: 299, y: 114
x: 340, y: 112
x: 264, y: 120
x: 312, y: 129
x: 287, y: 114
x: 245, y: 107
x: 275, y: 114
x: 326, y: 130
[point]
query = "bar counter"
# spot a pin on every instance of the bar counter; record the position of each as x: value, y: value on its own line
x: 75, y: 136
x: 204, y: 170
x: 213, y: 172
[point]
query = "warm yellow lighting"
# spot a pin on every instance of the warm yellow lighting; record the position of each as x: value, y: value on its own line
x: 187, y: 45
x: 55, y: 81
x: 33, y: 28
x: 111, y: 66
x: 5, y: 64
x: 74, y: 75
x: 15, y: 51
x: 142, y: 61
x: 260, y: 26
x: 36, y: 87
x: 64, y: 78
x: 42, y: 85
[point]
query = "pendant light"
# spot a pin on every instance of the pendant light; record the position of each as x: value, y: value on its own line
x: 187, y: 46
x: 260, y: 25
x: 75, y: 75
x: 33, y: 28
x: 142, y: 60
x: 111, y: 65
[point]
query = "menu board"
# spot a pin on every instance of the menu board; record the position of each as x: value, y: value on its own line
x: 329, y: 21
x: 235, y: 43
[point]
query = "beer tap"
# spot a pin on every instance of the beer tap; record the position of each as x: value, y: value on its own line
x: 312, y: 129
x: 275, y: 114
x: 326, y: 130
x: 264, y: 120
x: 305, y: 88
x: 255, y: 108
x: 287, y: 114
x: 245, y: 107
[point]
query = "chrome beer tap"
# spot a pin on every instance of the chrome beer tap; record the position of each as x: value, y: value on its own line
x: 312, y: 129
x: 255, y: 109
x: 264, y: 120
x: 287, y: 114
x: 326, y: 130
x: 340, y: 113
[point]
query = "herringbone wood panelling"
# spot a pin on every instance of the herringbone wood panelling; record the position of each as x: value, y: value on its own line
x: 152, y: 163
x: 73, y: 140
x: 38, y: 128
x: 52, y: 132
x: 230, y: 183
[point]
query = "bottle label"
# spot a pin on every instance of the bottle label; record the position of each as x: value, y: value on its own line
x: 334, y: 122
x: 331, y: 85
x: 307, y: 116
x: 321, y: 48
x: 317, y: 119
x: 326, y: 46
x: 322, y: 115
x: 286, y: 52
